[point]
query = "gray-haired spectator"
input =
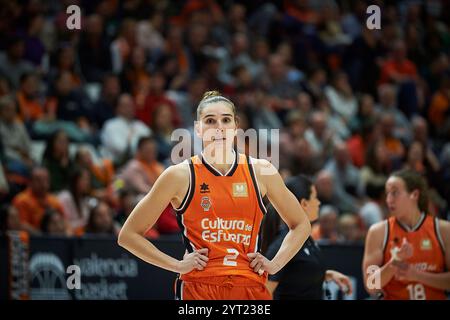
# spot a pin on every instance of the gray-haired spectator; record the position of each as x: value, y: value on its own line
x: 12, y: 64
x: 141, y: 172
x: 341, y: 97
x: 387, y: 95
x: 278, y: 84
x: 371, y: 211
x: 346, y: 175
x: 319, y: 136
x: 348, y: 229
x: 326, y: 228
x: 329, y: 194
x: 14, y: 138
x: 120, y: 134
x: 236, y: 56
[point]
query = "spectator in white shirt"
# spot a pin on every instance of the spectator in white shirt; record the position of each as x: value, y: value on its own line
x: 320, y: 137
x: 346, y: 175
x: 14, y: 138
x: 341, y: 97
x: 120, y: 134
x: 371, y: 211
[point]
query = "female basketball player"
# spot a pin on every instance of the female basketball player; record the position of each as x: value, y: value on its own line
x: 218, y: 200
x: 411, y: 248
x: 302, y: 278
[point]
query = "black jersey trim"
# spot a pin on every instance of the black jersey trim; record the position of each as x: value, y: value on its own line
x: 438, y: 235
x: 178, y: 289
x: 187, y: 243
x: 216, y: 172
x: 416, y: 227
x: 386, y: 238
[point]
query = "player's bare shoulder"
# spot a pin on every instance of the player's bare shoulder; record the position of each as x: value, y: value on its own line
x: 177, y: 174
x: 377, y: 232
x: 378, y: 227
x: 263, y: 167
x: 264, y: 171
x: 176, y: 177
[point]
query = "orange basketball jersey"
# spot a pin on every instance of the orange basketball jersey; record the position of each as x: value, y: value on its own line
x: 222, y: 213
x: 428, y: 255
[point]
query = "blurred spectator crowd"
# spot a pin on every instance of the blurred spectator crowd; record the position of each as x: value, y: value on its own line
x: 86, y: 115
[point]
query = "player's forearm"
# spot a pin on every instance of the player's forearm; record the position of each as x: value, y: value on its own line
x: 292, y: 243
x: 386, y: 273
x: 435, y: 280
x: 144, y: 249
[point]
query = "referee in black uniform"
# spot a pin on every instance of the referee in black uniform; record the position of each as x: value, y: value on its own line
x: 302, y: 278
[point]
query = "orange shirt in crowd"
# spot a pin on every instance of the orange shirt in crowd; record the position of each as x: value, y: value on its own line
x: 103, y: 172
x: 390, y: 67
x: 29, y: 109
x: 440, y: 104
x: 357, y: 150
x: 394, y: 147
x: 31, y: 209
x: 304, y: 15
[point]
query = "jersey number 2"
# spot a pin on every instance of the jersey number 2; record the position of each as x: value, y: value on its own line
x: 230, y: 259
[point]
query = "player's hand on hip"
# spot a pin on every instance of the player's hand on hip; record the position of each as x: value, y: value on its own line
x: 194, y: 260
x: 261, y: 264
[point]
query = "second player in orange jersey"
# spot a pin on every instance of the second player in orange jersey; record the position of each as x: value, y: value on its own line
x: 218, y: 199
x: 411, y: 248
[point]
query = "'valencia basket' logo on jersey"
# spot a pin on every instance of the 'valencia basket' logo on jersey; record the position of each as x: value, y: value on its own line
x: 205, y: 203
x: 425, y: 244
x: 240, y: 190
